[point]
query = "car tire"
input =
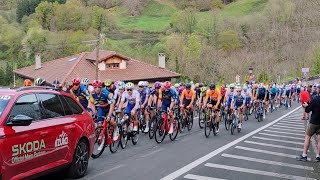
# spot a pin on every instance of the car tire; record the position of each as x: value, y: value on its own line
x: 80, y: 160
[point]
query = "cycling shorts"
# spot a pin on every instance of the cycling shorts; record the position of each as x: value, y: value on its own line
x: 214, y: 103
x: 129, y: 108
x: 164, y: 107
x: 102, y: 111
x: 229, y: 102
x: 186, y: 102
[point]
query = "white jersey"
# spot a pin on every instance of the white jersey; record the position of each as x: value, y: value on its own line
x: 133, y: 99
x: 230, y: 94
x: 90, y: 88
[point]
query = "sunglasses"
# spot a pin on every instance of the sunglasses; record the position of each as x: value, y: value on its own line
x: 157, y: 87
x: 141, y: 87
x: 97, y: 87
x: 129, y: 89
x: 76, y: 84
x: 238, y: 91
x: 212, y: 88
x: 232, y: 88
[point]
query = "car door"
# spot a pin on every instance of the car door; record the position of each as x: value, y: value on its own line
x: 25, y: 146
x: 60, y: 126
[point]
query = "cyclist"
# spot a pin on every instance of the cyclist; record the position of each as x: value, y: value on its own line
x: 228, y: 97
x: 118, y: 92
x: 238, y: 102
x: 247, y: 94
x: 154, y: 95
x: 144, y: 97
x: 213, y: 102
x: 133, y: 98
x: 27, y: 82
x: 105, y: 103
x: 188, y: 98
x: 80, y: 92
x: 274, y: 93
x: 168, y: 98
x: 261, y: 95
x: 56, y: 84
x: 202, y: 96
x: 40, y: 82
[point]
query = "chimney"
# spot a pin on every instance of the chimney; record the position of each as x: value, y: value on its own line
x: 38, y: 61
x: 162, y: 60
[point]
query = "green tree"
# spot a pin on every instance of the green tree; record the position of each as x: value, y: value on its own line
x: 316, y: 61
x: 25, y: 8
x: 217, y: 4
x: 228, y: 40
x: 45, y: 13
x: 185, y: 21
x: 2, y: 77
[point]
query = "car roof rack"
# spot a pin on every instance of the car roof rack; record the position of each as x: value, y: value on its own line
x: 35, y: 87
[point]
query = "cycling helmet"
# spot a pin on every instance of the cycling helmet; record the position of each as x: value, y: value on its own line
x: 27, y: 82
x: 197, y: 85
x: 56, y: 82
x: 203, y: 89
x: 108, y: 82
x: 245, y: 87
x: 40, y: 81
x: 182, y: 84
x: 212, y: 86
x: 146, y: 83
x: 84, y: 81
x: 167, y: 84
x: 238, y: 88
x: 201, y: 85
x: 188, y: 86
x: 129, y: 85
x: 76, y: 81
x: 232, y: 85
x: 121, y: 85
x: 140, y: 83
x: 157, y: 84
x: 260, y: 85
x: 116, y: 83
x: 223, y: 87
x: 177, y: 85
x: 97, y: 83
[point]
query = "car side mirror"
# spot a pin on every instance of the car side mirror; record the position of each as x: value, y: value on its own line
x: 20, y: 120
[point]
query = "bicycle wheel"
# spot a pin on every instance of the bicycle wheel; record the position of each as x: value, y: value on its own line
x: 214, y: 127
x: 190, y: 122
x: 207, y: 127
x: 142, y: 123
x: 99, y: 143
x: 152, y: 127
x: 160, y: 131
x: 200, y: 118
x: 135, y: 137
x: 114, y: 146
x: 124, y: 136
x: 173, y: 136
x: 226, y: 121
x: 183, y: 123
x: 261, y: 117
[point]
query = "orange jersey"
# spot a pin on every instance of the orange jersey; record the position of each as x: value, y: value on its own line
x: 188, y: 95
x: 214, y: 95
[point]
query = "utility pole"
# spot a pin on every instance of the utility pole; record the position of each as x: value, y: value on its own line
x: 97, y: 57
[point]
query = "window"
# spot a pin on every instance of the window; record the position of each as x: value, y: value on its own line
x: 51, y: 104
x: 26, y: 105
x: 113, y: 65
x: 4, y: 100
x: 73, y: 105
x: 67, y: 109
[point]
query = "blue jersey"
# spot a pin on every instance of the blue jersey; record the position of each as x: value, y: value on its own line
x: 144, y: 94
x: 82, y: 93
x: 238, y: 100
x: 104, y: 99
x: 168, y: 96
x: 261, y: 92
x: 274, y: 91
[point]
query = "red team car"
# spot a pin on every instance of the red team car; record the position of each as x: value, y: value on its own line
x: 43, y: 130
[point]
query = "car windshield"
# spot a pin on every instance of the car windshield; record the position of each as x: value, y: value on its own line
x: 4, y: 99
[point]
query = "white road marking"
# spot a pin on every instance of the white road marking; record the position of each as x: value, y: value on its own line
x: 278, y: 140
x: 268, y: 162
x: 289, y: 122
x: 290, y: 125
x: 268, y: 152
x: 281, y: 132
x: 277, y: 135
x: 201, y: 160
x: 292, y: 121
x: 258, y: 172
x: 295, y: 128
x: 283, y: 129
x: 197, y: 177
x: 274, y: 145
x: 149, y: 154
x: 107, y: 171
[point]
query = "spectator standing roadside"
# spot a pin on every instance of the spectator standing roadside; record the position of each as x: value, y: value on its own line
x: 305, y: 98
x: 313, y: 127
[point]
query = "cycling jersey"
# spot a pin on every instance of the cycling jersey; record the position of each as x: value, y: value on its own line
x: 214, y: 95
x: 82, y: 93
x: 133, y: 100
x: 238, y: 101
x: 230, y: 94
x: 167, y: 96
x: 104, y: 99
x: 261, y: 92
x: 274, y: 92
x: 144, y: 94
x: 247, y: 95
x: 187, y: 96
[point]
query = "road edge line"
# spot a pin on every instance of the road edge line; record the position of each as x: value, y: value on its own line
x: 201, y: 160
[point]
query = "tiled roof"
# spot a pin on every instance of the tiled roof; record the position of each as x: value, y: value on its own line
x: 79, y: 65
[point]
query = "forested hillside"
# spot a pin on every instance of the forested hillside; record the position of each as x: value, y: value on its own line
x: 204, y: 40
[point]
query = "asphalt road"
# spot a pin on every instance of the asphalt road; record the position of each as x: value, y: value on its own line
x: 262, y: 150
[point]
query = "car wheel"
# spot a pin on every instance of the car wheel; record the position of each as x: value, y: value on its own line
x: 80, y: 160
